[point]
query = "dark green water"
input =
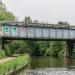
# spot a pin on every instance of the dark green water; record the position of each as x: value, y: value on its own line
x: 49, y: 66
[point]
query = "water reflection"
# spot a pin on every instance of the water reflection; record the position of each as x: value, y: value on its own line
x: 50, y: 66
x: 68, y: 63
x: 48, y: 62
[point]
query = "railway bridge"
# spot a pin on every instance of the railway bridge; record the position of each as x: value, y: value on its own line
x: 37, y: 31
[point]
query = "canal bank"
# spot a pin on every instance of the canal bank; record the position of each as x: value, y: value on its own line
x: 15, y: 65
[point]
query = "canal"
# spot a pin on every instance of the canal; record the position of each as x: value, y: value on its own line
x: 49, y: 66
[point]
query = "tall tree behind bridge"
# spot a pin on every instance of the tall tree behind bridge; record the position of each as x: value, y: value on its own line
x: 65, y: 24
x: 28, y: 20
x: 4, y: 14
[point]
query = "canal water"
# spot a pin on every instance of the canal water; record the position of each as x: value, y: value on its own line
x: 49, y: 66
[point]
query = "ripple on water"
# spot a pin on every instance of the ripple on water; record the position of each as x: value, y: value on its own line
x: 50, y: 71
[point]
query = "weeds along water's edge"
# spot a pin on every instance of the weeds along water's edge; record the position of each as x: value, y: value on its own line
x: 15, y: 65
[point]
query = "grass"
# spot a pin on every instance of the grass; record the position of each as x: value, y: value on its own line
x: 14, y: 64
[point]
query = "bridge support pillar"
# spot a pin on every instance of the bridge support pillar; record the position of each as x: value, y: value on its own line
x: 0, y: 43
x: 69, y: 48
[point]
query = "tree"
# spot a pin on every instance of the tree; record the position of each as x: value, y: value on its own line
x: 2, y: 7
x: 65, y: 24
x: 19, y: 47
x: 56, y: 48
x: 7, y: 16
x: 28, y: 20
x: 4, y: 14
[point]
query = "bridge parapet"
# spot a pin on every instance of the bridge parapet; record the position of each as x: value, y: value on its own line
x: 37, y: 24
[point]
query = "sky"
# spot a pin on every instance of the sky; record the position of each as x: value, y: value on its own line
x: 50, y: 11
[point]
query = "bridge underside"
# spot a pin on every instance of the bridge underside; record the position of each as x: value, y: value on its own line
x: 37, y: 39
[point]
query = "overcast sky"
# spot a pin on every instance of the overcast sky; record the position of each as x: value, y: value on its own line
x: 47, y: 10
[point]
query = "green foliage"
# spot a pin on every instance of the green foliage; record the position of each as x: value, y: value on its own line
x: 52, y: 48
x: 55, y: 49
x: 65, y: 24
x: 7, y: 51
x: 7, y: 16
x: 2, y: 54
x: 13, y: 65
x: 42, y: 46
x: 4, y: 14
x: 19, y: 47
x: 73, y: 52
x: 33, y: 46
x: 37, y: 48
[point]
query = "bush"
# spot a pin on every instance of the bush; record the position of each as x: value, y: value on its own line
x: 7, y: 51
x: 2, y: 54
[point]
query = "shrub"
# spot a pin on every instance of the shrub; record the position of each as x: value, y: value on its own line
x: 2, y: 54
x: 7, y: 51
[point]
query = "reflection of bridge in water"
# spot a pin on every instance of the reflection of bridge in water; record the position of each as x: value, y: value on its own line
x: 33, y: 31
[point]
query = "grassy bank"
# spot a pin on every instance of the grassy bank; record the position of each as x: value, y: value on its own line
x: 14, y: 64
